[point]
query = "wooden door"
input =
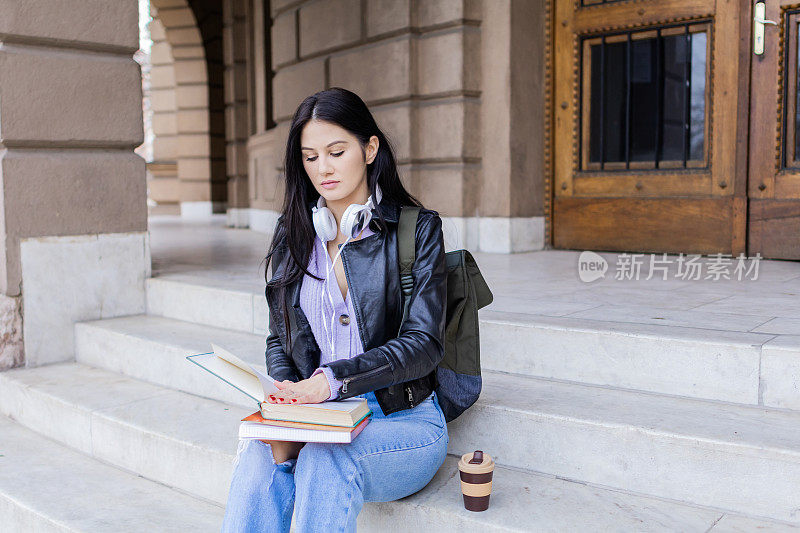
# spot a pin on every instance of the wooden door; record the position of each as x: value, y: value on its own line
x: 649, y: 99
x: 774, y: 184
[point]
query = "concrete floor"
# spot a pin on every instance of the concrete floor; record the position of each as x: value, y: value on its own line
x: 534, y: 283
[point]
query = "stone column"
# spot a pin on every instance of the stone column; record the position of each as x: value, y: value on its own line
x: 235, y: 33
x: 512, y: 189
x: 164, y: 185
x: 73, y: 213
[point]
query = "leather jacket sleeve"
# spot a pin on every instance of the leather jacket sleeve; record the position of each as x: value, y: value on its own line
x: 419, y: 346
x: 279, y: 365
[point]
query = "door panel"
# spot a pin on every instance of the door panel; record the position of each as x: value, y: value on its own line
x: 646, y: 117
x: 708, y: 218
x: 774, y: 170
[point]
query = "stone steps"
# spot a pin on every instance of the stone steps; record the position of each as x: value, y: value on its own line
x: 163, y: 435
x: 729, y: 456
x: 733, y: 366
x: 154, y: 349
x: 154, y: 431
x: 742, y: 458
x: 680, y: 361
x: 46, y: 486
x: 229, y: 304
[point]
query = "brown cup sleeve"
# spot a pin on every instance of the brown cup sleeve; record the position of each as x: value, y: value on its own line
x: 476, y: 478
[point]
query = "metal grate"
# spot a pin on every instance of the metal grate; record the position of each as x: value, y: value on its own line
x: 646, y: 101
x: 788, y: 121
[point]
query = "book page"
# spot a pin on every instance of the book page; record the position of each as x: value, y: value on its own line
x: 267, y: 383
x: 245, y: 381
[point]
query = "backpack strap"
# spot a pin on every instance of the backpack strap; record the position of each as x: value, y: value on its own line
x: 406, y: 245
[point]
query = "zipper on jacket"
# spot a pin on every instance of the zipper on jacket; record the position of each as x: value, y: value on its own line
x: 348, y: 379
x: 410, y: 398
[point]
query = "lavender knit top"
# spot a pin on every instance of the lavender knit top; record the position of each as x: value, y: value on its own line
x: 317, y: 307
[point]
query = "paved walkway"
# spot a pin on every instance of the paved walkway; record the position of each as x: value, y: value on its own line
x: 545, y: 283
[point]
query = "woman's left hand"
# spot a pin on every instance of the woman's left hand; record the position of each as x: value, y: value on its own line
x: 312, y: 390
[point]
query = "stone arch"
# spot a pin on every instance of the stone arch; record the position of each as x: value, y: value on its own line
x: 193, y: 31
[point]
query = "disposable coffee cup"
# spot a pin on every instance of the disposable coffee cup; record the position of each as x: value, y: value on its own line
x: 476, y: 471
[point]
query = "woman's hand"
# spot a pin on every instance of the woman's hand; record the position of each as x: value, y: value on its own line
x: 312, y: 390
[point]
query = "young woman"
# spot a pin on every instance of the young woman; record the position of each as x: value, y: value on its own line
x: 335, y: 314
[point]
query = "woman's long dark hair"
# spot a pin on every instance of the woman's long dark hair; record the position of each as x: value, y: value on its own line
x: 347, y: 110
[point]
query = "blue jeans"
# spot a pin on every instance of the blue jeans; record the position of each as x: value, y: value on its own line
x: 326, y: 486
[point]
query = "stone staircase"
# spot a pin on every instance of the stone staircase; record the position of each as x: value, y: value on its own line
x: 594, y: 425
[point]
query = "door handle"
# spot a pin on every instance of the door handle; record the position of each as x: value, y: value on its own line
x: 759, y: 21
x: 765, y: 21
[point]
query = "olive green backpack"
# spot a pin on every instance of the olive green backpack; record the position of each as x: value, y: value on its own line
x: 458, y: 376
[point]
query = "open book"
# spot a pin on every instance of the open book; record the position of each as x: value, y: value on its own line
x: 258, y: 385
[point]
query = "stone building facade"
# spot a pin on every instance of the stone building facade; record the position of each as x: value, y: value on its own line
x: 454, y: 83
x: 457, y: 85
x: 73, y: 192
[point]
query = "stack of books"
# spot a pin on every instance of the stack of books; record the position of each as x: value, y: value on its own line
x: 312, y: 422
x: 332, y: 421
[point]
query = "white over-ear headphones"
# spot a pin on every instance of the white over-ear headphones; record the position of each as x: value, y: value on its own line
x: 355, y: 217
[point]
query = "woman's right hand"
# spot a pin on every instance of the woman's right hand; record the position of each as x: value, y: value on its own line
x: 312, y: 390
x: 283, y: 383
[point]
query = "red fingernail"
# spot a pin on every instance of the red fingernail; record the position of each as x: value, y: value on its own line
x: 294, y: 400
x: 281, y: 399
x: 271, y: 397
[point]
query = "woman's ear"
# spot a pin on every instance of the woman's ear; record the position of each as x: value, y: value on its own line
x: 372, y: 149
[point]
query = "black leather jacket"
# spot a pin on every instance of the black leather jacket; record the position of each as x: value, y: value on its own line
x: 400, y: 368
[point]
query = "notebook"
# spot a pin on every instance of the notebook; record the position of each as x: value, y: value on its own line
x: 256, y: 417
x: 257, y: 430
